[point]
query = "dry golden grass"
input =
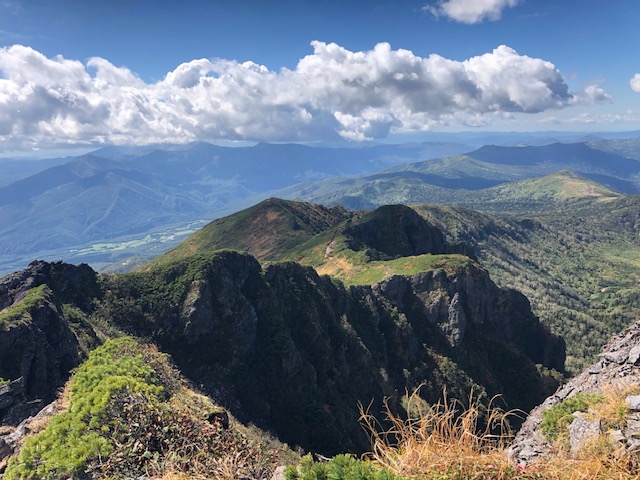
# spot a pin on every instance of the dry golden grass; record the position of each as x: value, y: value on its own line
x: 450, y: 442
x: 445, y: 440
x: 612, y: 410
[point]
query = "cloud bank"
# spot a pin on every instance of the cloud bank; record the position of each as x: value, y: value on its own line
x: 470, y: 11
x: 635, y: 83
x: 332, y: 93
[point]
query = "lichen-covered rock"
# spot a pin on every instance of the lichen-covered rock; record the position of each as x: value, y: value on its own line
x: 616, y: 368
x: 582, y: 431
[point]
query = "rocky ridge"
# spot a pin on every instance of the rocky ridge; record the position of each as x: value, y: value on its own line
x: 281, y: 346
x: 41, y: 339
x: 618, y: 368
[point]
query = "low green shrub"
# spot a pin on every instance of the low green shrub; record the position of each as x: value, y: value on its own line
x: 80, y: 434
x: 341, y: 467
x: 556, y: 419
x: 21, y: 311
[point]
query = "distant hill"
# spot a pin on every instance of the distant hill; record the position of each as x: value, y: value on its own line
x: 550, y: 192
x: 626, y: 147
x: 142, y: 201
x: 119, y: 195
x: 356, y: 247
x: 267, y: 230
x: 455, y: 180
x: 12, y: 170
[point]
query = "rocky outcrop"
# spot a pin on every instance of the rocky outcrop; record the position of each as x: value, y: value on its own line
x: 12, y: 441
x: 39, y: 344
x: 281, y: 346
x: 296, y: 352
x: 618, y: 368
x: 394, y: 231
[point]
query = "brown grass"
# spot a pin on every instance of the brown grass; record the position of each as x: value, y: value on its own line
x: 445, y: 439
x: 448, y: 441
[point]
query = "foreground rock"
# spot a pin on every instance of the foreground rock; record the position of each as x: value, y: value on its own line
x: 618, y: 369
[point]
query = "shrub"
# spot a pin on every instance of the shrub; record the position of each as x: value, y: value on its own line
x: 556, y: 419
x: 131, y: 414
x: 341, y: 467
x: 76, y: 436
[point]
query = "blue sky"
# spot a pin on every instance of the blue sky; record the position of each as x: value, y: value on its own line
x: 86, y: 72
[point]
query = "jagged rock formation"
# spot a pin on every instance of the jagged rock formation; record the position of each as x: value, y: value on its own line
x: 295, y: 352
x: 40, y: 342
x: 283, y: 347
x: 618, y: 368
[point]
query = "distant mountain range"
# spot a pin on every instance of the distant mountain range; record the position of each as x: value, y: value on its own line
x: 119, y: 201
x: 121, y: 194
x: 457, y: 180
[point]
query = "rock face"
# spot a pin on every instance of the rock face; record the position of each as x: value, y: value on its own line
x: 281, y: 346
x: 295, y: 352
x: 618, y: 367
x: 394, y: 231
x: 39, y: 344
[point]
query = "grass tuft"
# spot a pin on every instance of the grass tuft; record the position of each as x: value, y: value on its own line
x: 445, y: 440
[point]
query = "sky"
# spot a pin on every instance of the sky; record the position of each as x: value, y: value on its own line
x: 83, y: 73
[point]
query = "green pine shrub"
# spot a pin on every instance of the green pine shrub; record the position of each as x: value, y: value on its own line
x: 341, y: 467
x: 78, y: 435
x: 556, y: 419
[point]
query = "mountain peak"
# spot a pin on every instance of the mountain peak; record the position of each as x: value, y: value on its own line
x: 265, y: 230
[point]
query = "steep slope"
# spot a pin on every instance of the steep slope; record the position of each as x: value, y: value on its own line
x: 580, y: 270
x: 42, y: 336
x: 579, y: 265
x: 294, y: 352
x: 602, y: 404
x: 127, y: 413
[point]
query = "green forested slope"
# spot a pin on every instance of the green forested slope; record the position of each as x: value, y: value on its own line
x: 581, y: 271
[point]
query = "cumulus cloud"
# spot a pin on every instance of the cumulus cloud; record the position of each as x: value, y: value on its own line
x: 331, y: 93
x: 635, y: 83
x: 470, y: 11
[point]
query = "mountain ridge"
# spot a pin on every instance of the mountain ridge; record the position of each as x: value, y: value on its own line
x: 294, y: 351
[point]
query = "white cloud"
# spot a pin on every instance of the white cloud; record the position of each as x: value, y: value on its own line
x: 470, y: 11
x: 332, y: 93
x: 628, y: 117
x: 592, y: 94
x: 635, y: 83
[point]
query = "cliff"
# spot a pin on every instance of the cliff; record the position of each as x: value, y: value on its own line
x: 295, y: 352
x: 41, y: 336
